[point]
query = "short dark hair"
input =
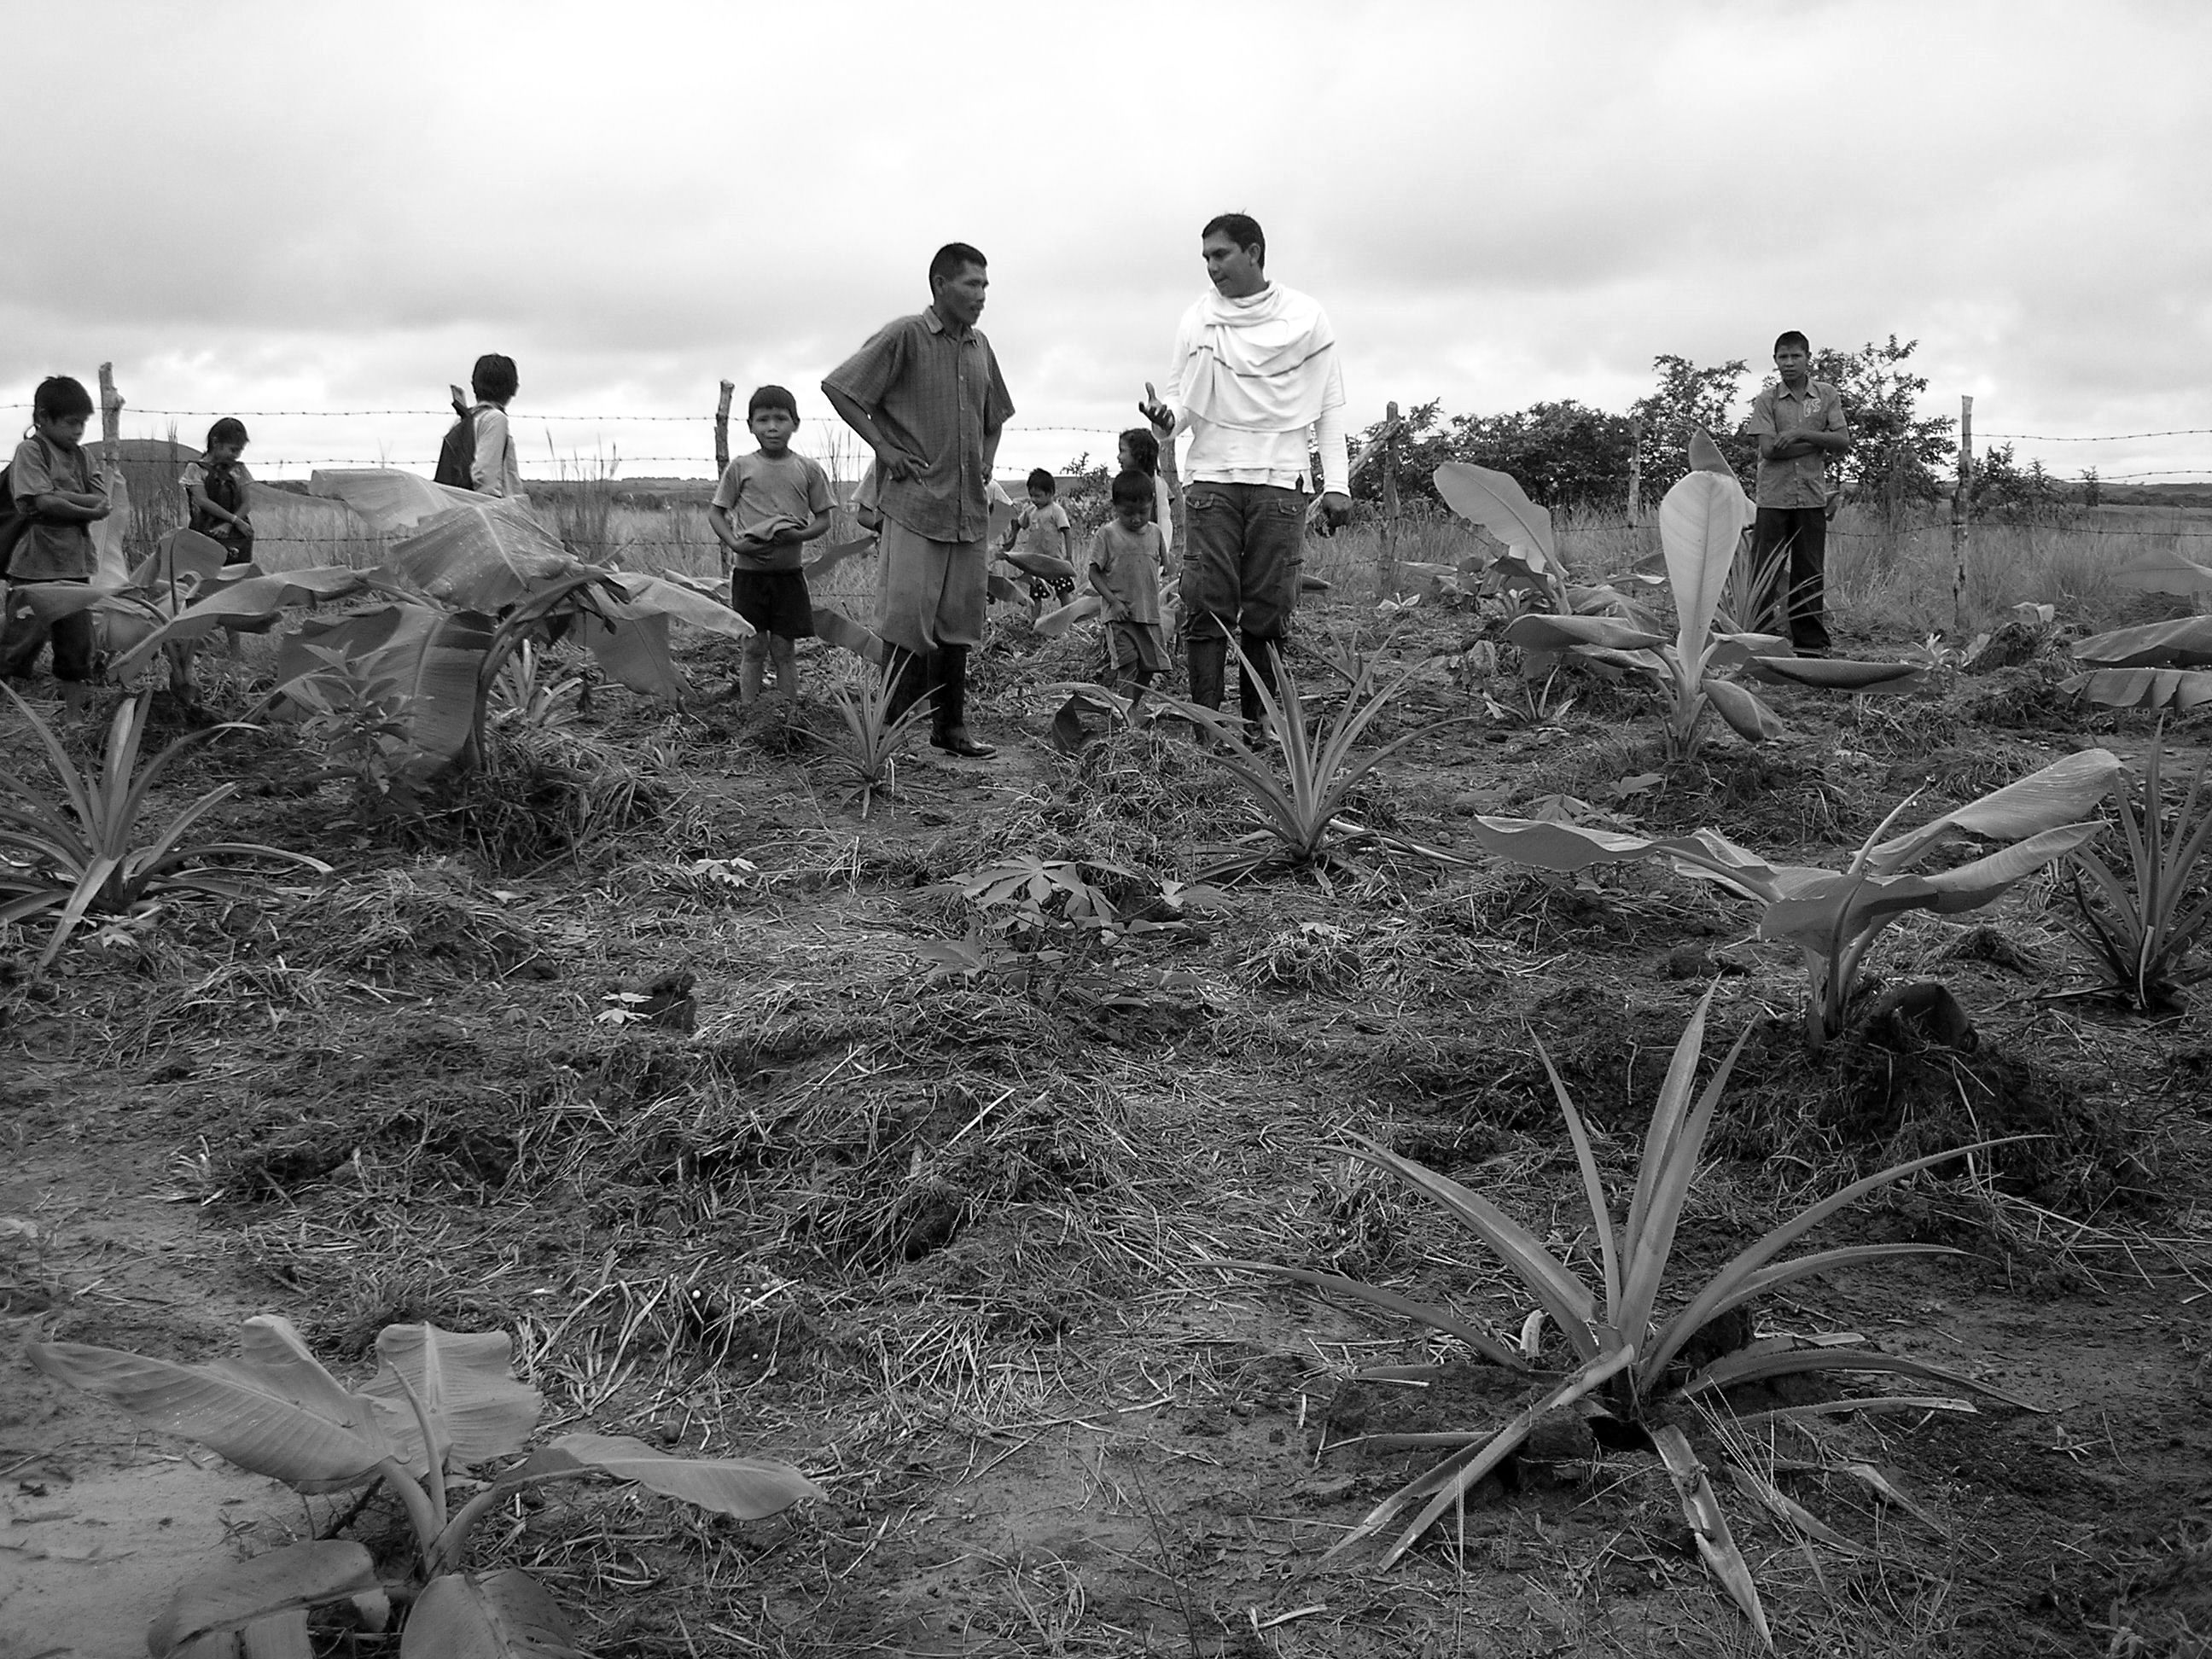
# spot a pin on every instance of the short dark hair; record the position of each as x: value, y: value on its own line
x: 493, y: 379
x: 948, y: 261
x: 60, y: 399
x: 1040, y: 479
x: 227, y: 431
x: 1132, y: 489
x: 1144, y: 449
x: 1792, y: 337
x: 770, y: 396
x: 1241, y: 228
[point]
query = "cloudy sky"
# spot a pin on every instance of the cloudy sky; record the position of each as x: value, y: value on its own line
x: 336, y: 206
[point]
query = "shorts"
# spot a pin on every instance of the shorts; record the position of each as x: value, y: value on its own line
x: 774, y: 601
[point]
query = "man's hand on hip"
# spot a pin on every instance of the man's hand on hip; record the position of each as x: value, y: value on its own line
x: 896, y: 463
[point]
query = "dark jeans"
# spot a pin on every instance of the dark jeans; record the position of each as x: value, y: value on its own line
x: 1240, y: 570
x: 1804, y: 531
x: 24, y: 634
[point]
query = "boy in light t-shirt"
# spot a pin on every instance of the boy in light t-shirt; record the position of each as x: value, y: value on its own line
x: 769, y: 506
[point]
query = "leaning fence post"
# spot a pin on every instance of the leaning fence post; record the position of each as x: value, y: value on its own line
x: 1962, y: 515
x: 722, y: 430
x: 1635, y: 470
x: 1390, y: 502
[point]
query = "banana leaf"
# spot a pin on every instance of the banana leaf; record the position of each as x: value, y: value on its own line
x: 2060, y: 793
x: 656, y: 595
x: 466, y: 1388
x: 1550, y: 633
x: 835, y: 628
x: 1498, y: 504
x: 2177, y: 688
x: 835, y: 554
x: 273, y: 1411
x: 1701, y: 521
x: 2183, y: 642
x: 1040, y: 564
x: 1839, y: 673
x: 183, y: 557
x: 635, y: 651
x: 748, y: 1488
x: 2165, y: 571
x: 497, y: 1615
x: 487, y: 555
x: 435, y: 655
x: 389, y: 501
x: 243, y: 1593
x: 249, y: 605
x: 1053, y: 624
x: 1747, y: 716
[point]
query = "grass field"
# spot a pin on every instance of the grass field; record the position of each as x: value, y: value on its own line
x: 942, y: 1239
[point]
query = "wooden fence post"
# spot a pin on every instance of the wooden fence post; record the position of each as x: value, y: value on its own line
x: 1635, y: 470
x: 110, y: 417
x: 722, y: 430
x: 1962, y: 515
x: 1389, y: 583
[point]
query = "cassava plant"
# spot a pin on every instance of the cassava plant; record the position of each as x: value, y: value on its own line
x: 2140, y: 931
x: 1833, y: 916
x: 440, y: 1411
x: 1628, y: 1334
x: 97, y: 849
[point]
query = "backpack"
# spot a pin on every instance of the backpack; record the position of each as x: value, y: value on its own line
x: 14, y: 523
x: 456, y: 455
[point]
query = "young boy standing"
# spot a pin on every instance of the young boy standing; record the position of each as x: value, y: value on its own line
x: 216, y: 486
x: 1042, y: 522
x: 492, y: 468
x: 770, y: 505
x: 56, y: 485
x: 1124, y: 569
x: 1799, y: 424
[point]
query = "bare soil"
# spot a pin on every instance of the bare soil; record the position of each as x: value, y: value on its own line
x: 942, y: 1241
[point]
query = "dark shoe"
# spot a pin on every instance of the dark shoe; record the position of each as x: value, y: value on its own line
x: 956, y: 741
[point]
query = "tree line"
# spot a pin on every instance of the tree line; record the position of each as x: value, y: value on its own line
x: 1566, y: 454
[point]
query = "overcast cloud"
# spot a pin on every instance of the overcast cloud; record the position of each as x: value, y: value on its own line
x: 335, y: 206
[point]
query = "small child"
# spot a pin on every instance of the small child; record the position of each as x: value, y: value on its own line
x: 55, y: 484
x: 1125, y: 572
x: 1139, y: 450
x: 770, y: 505
x: 1041, y: 521
x: 492, y: 468
x: 215, y: 485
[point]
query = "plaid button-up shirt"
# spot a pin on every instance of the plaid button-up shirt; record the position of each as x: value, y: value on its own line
x: 1801, y: 480
x: 934, y: 393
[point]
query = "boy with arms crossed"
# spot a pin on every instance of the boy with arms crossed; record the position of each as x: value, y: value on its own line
x: 770, y: 505
x: 57, y: 486
x: 1799, y: 424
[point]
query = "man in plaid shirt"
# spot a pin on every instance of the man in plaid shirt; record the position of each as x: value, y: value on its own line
x: 1799, y: 423
x: 925, y: 395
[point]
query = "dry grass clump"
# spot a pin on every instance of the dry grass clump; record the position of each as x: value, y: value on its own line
x: 389, y: 923
x: 545, y: 795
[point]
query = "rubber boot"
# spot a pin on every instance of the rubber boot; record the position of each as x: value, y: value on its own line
x: 1259, y: 670
x: 950, y: 717
x: 909, y: 674
x: 1209, y: 661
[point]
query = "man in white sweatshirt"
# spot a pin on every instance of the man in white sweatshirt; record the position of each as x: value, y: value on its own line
x: 1253, y: 381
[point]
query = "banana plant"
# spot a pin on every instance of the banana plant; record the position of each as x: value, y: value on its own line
x: 1833, y: 916
x: 440, y: 1411
x: 1627, y: 1352
x: 1703, y: 522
